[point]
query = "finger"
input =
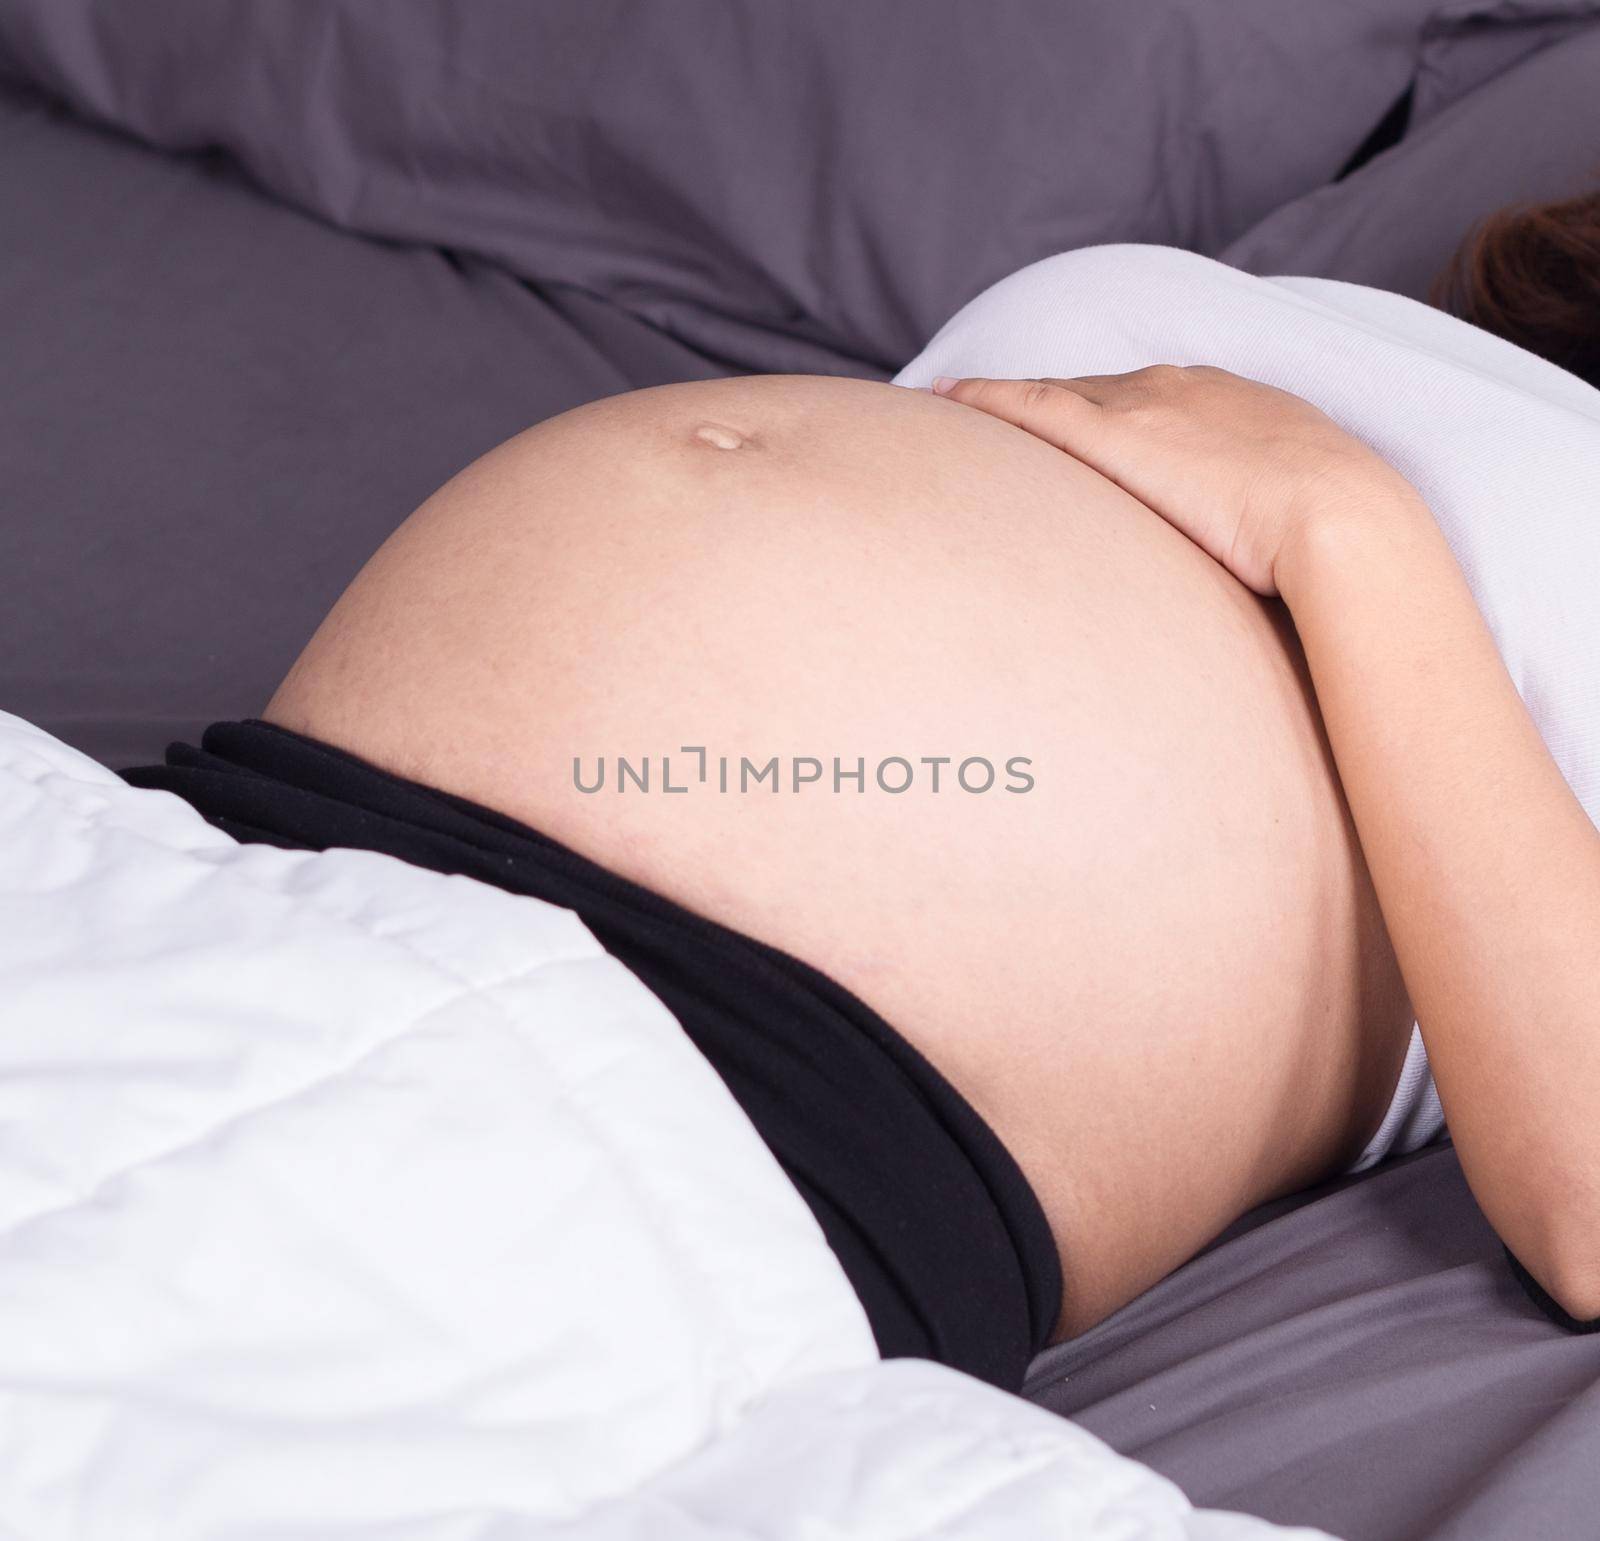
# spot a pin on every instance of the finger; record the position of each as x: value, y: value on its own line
x: 1051, y: 410
x: 1099, y: 389
x: 1119, y: 389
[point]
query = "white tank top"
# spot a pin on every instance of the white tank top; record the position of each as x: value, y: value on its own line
x: 1503, y: 446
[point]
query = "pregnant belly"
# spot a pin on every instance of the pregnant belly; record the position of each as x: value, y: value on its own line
x: 1144, y: 947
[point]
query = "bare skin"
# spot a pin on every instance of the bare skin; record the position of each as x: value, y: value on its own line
x: 1485, y: 861
x: 1160, y: 974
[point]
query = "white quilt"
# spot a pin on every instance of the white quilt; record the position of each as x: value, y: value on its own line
x: 341, y: 1200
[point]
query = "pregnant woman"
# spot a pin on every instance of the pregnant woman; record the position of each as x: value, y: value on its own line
x: 1051, y: 807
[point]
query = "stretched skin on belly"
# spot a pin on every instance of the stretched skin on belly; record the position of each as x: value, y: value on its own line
x: 1159, y: 973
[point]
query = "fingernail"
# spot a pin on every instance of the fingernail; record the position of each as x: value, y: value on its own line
x: 944, y: 384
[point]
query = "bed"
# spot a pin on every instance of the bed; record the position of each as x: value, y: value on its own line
x: 269, y: 275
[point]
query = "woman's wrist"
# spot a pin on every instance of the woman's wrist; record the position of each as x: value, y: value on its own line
x: 1359, y: 533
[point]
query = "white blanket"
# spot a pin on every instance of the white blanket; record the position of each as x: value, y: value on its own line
x: 341, y: 1201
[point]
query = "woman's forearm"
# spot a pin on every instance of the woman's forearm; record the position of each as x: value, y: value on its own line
x: 1485, y: 864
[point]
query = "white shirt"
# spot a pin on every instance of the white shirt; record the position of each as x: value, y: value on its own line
x: 1503, y: 446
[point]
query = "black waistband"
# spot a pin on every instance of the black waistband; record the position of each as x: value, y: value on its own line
x: 931, y: 1218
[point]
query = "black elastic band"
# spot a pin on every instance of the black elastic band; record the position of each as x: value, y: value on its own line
x: 932, y: 1220
x: 1541, y: 1297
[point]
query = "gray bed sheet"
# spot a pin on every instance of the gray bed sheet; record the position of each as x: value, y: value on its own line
x: 214, y: 406
x: 1357, y: 1358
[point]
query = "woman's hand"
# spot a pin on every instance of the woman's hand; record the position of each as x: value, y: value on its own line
x: 1237, y: 466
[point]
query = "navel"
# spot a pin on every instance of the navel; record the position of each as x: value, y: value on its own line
x: 719, y: 435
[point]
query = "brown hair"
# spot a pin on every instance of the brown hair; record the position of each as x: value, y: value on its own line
x: 1531, y: 273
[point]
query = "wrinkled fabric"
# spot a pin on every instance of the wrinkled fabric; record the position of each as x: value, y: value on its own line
x: 934, y: 1223
x: 343, y: 1199
x: 1359, y: 1358
x: 775, y: 185
x: 1529, y: 134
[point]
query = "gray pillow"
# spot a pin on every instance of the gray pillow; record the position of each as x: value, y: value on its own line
x: 1529, y: 133
x: 776, y: 184
x: 213, y: 408
x: 1470, y: 41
